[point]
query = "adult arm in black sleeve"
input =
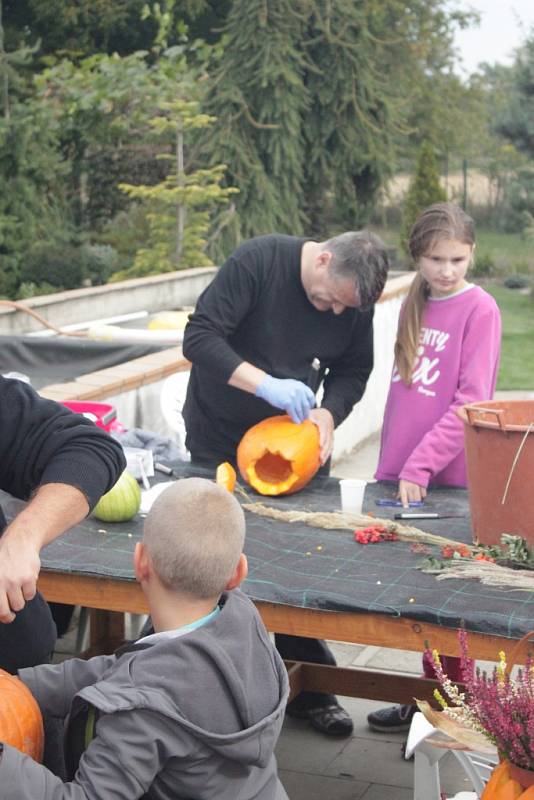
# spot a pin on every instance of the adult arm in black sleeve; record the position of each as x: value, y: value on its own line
x: 219, y: 310
x: 59, y: 459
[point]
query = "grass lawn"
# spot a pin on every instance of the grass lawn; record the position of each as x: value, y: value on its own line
x: 517, y: 355
x: 511, y: 253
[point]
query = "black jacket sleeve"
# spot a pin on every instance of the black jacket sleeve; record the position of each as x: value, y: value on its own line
x: 43, y: 442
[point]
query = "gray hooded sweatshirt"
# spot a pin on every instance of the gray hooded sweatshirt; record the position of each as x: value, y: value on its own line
x: 189, y: 718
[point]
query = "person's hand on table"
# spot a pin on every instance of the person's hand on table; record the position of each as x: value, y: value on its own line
x: 19, y: 569
x: 293, y: 397
x: 325, y: 422
x: 53, y: 509
x: 410, y: 492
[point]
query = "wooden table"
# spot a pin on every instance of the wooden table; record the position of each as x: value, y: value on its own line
x: 109, y: 598
x: 323, y: 585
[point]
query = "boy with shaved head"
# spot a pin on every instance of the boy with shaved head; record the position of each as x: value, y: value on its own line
x: 192, y: 710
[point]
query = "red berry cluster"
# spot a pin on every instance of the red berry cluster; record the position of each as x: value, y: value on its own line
x: 449, y: 550
x: 375, y: 534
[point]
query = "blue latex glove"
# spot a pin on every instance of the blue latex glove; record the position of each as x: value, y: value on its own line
x: 294, y: 397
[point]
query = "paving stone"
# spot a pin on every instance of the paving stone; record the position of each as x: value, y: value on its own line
x: 377, y: 791
x: 405, y: 661
x: 302, y: 749
x: 300, y: 786
x: 345, y: 654
x: 372, y: 761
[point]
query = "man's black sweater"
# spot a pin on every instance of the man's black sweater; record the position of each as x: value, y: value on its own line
x: 256, y: 310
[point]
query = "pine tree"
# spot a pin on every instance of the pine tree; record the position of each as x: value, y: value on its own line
x: 178, y: 208
x: 259, y: 99
x: 351, y: 121
x: 425, y: 188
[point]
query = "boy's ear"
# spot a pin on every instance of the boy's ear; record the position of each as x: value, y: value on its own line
x: 141, y: 562
x: 240, y: 573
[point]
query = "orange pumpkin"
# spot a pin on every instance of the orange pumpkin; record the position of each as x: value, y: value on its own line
x: 278, y: 456
x: 502, y: 786
x: 499, y: 776
x: 225, y: 476
x: 21, y: 723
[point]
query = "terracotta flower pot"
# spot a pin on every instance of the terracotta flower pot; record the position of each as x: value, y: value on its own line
x: 525, y: 777
x: 499, y: 448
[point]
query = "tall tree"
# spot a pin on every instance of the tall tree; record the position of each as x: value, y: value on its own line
x: 178, y: 208
x: 425, y: 188
x: 516, y: 122
x: 351, y: 120
x: 259, y: 100
x: 32, y: 203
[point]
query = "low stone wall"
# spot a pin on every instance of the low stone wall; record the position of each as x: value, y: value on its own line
x: 156, y: 293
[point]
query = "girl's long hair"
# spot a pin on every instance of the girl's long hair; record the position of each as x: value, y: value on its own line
x: 437, y: 222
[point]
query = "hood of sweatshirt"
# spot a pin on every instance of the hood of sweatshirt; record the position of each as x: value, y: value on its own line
x: 223, y: 683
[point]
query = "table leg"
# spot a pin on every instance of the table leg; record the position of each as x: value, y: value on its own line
x: 106, y: 632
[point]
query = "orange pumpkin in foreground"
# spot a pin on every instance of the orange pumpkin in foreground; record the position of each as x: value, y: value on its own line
x: 503, y: 786
x: 21, y: 723
x: 278, y: 456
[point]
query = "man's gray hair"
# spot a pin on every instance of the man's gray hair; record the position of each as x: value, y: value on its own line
x: 362, y: 256
x: 195, y: 533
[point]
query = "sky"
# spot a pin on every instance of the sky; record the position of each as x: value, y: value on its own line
x: 503, y: 26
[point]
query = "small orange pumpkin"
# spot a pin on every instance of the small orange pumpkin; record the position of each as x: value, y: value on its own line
x: 225, y: 476
x: 278, y: 456
x: 21, y: 723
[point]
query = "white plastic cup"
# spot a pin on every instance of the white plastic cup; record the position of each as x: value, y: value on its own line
x: 352, y: 492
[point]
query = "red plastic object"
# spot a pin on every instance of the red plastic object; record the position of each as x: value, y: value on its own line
x: 102, y: 414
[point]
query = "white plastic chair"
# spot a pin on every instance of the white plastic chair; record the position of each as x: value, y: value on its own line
x: 477, y: 766
x: 172, y: 399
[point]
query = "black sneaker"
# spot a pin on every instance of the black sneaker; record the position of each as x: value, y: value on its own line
x: 332, y: 720
x: 391, y: 719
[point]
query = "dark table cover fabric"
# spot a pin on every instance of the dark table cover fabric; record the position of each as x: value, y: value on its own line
x: 297, y: 565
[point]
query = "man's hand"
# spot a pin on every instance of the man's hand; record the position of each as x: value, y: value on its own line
x: 19, y: 568
x: 294, y: 397
x: 410, y: 492
x: 325, y: 422
x: 55, y: 508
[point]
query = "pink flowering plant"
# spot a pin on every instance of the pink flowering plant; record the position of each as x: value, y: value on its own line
x: 499, y: 707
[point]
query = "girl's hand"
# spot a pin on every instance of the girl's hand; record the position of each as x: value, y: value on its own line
x: 410, y: 492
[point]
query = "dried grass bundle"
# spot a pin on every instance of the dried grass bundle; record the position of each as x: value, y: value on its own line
x: 488, y: 573
x: 336, y: 520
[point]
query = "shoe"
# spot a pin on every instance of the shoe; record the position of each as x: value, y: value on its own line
x: 391, y: 719
x: 332, y: 720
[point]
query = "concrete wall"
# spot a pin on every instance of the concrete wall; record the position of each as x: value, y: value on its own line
x: 156, y: 293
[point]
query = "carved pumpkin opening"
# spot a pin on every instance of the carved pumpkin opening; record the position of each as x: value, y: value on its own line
x: 277, y: 456
x: 273, y: 468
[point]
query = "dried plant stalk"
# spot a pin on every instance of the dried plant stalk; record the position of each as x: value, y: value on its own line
x: 488, y: 573
x: 336, y: 520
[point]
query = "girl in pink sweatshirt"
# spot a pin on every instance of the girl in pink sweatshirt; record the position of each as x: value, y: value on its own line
x: 446, y: 355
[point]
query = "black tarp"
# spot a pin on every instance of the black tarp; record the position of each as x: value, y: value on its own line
x: 59, y: 359
x: 297, y: 565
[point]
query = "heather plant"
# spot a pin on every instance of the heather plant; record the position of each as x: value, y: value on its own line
x: 499, y: 706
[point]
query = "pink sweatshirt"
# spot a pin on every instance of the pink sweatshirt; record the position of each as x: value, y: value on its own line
x: 422, y: 436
